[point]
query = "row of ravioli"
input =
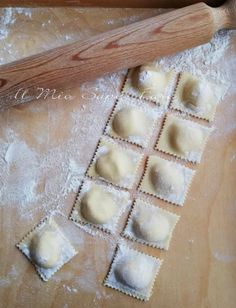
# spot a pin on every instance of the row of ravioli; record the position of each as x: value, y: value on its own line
x: 104, y: 194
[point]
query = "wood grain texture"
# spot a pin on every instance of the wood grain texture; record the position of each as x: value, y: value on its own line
x: 108, y: 3
x: 199, y: 270
x: 124, y: 47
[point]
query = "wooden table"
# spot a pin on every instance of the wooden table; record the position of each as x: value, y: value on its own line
x: 199, y: 270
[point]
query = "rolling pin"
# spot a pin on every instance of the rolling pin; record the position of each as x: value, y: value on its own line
x: 121, y: 48
x: 107, y: 3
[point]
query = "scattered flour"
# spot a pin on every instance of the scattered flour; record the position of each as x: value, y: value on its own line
x: 22, y: 174
x: 8, y: 17
x: 224, y: 257
x: 9, y: 277
x: 69, y: 289
x: 6, y: 20
x: 74, y: 177
x: 202, y: 60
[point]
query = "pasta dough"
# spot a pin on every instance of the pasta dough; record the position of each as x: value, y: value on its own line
x: 183, y: 138
x: 133, y: 272
x: 114, y: 165
x: 136, y: 272
x: 191, y: 95
x: 130, y: 122
x: 45, y: 249
x: 196, y: 97
x: 150, y: 82
x: 148, y: 224
x: 151, y: 228
x: 98, y: 206
x: 166, y: 179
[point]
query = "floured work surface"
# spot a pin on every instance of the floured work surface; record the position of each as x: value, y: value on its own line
x: 45, y: 148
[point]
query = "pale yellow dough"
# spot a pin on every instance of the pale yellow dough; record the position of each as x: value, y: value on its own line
x: 195, y: 96
x: 183, y: 138
x: 151, y: 225
x: 166, y: 179
x: 130, y: 121
x: 114, y: 165
x: 162, y: 178
x: 135, y: 272
x: 151, y: 228
x: 98, y: 206
x: 151, y: 82
x: 45, y: 249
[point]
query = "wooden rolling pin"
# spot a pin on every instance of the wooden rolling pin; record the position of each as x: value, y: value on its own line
x: 107, y: 3
x: 124, y: 47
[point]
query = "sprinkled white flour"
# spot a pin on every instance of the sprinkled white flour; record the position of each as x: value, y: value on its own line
x: 201, y: 60
x: 41, y: 166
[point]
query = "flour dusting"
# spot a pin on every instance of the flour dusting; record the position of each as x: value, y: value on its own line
x: 21, y: 170
x: 9, y: 277
x: 222, y: 257
x: 201, y: 60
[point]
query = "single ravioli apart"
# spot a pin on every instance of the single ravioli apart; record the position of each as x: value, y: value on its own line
x: 47, y: 248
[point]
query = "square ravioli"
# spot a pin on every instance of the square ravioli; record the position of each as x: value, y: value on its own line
x: 133, y: 120
x: 133, y: 272
x: 151, y: 83
x: 115, y: 164
x: 166, y: 180
x: 148, y: 224
x: 196, y: 97
x: 183, y: 138
x: 100, y: 206
x: 47, y: 248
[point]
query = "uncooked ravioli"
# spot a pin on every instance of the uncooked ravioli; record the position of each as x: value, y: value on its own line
x: 197, y: 95
x: 135, y: 272
x: 166, y: 179
x: 129, y: 122
x: 151, y: 227
x: 185, y: 139
x: 190, y: 93
x: 114, y: 166
x: 150, y: 80
x: 98, y: 206
x: 45, y: 249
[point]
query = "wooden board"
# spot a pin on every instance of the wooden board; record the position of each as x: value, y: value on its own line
x: 107, y: 3
x: 199, y: 270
